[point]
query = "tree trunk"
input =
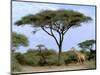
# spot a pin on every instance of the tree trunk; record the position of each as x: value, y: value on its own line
x: 60, y: 48
x: 59, y: 55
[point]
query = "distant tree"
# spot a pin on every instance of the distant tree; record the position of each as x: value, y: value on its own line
x: 19, y: 40
x: 88, y: 44
x: 42, y: 57
x: 40, y: 46
x: 59, y: 21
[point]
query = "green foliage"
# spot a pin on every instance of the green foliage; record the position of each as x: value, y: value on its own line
x: 19, y: 40
x: 32, y: 51
x: 42, y: 62
x: 20, y: 58
x: 89, y: 55
x: 15, y: 64
x: 55, y: 20
x: 34, y: 58
x: 67, y: 17
x: 52, y: 60
x: 88, y: 44
x: 71, y: 58
x: 46, y: 53
x: 31, y: 58
x: 92, y: 56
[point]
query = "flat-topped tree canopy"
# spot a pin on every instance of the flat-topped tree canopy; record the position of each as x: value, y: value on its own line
x: 87, y: 44
x: 67, y: 18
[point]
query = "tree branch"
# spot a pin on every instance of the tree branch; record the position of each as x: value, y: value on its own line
x: 46, y: 31
x: 53, y: 35
x: 66, y: 29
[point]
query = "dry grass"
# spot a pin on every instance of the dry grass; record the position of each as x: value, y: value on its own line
x: 86, y: 65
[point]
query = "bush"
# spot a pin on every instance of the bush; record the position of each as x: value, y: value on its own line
x: 45, y: 57
x: 51, y: 63
x: 92, y: 56
x: 31, y: 59
x: 71, y: 58
x: 20, y: 58
x: 42, y: 62
x: 15, y: 65
x: 52, y: 60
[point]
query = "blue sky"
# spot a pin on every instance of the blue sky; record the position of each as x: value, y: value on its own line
x: 72, y: 37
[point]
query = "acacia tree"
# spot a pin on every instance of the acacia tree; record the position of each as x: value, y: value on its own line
x: 55, y: 21
x: 42, y: 59
x: 88, y: 44
x: 19, y: 40
x: 40, y: 46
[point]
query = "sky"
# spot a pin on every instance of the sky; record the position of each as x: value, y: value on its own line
x: 71, y: 38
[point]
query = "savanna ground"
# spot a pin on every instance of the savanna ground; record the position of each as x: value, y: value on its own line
x: 86, y: 65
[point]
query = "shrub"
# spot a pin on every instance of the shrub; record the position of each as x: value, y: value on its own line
x: 92, y: 56
x: 51, y: 63
x: 20, y: 58
x: 71, y: 58
x: 15, y: 65
x: 45, y: 57
x: 42, y: 62
x: 31, y: 59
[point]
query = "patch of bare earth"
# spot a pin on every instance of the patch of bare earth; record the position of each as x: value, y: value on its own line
x: 52, y: 68
x: 31, y: 69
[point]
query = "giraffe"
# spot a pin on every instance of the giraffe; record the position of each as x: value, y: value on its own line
x: 80, y: 56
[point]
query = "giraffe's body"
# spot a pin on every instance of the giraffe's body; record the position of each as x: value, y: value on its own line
x: 80, y: 56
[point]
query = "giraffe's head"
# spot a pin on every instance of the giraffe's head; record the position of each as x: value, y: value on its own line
x: 73, y: 49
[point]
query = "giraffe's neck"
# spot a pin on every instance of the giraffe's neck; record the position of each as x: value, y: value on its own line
x: 77, y: 53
